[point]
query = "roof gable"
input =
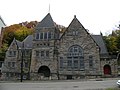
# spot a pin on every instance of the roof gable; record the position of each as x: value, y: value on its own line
x: 28, y: 41
x: 15, y: 44
x: 46, y: 22
x: 75, y: 25
x: 99, y: 40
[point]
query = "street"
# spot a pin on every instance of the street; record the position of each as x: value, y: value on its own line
x: 60, y: 85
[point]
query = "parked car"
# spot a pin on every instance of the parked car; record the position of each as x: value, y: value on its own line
x: 118, y: 83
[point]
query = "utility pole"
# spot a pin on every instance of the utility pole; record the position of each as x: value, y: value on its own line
x: 57, y: 53
x: 22, y: 56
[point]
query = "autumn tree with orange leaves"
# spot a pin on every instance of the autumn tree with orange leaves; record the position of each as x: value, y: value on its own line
x: 18, y: 31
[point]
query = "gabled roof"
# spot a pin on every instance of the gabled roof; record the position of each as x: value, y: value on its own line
x: 16, y: 42
x: 99, y: 40
x: 28, y: 41
x: 19, y: 44
x: 46, y: 22
x: 74, y: 24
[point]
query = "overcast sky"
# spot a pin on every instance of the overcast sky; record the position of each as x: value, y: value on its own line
x: 95, y: 15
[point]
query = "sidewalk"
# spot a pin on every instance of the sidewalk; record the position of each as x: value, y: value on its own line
x: 40, y: 81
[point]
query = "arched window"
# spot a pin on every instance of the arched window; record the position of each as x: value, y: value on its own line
x: 75, y: 58
x: 75, y: 51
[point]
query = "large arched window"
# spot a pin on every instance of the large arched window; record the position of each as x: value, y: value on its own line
x: 75, y: 58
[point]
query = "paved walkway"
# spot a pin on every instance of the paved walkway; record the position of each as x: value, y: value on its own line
x: 91, y: 84
x: 27, y: 81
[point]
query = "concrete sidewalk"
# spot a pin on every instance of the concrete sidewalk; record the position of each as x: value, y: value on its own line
x: 40, y: 81
x: 59, y: 85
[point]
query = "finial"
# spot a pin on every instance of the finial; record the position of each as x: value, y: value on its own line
x: 49, y: 9
x: 74, y: 16
x: 101, y: 33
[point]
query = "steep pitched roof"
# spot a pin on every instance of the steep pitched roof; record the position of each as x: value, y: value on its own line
x: 74, y: 24
x: 28, y: 41
x: 16, y: 42
x: 46, y: 22
x: 19, y: 44
x: 99, y: 40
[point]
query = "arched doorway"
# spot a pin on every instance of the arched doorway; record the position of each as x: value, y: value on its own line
x: 44, y: 70
x: 107, y: 70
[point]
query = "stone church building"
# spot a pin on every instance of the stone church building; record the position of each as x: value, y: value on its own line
x: 54, y: 54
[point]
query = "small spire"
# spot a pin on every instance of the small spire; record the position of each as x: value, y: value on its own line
x: 101, y: 33
x: 49, y: 9
x: 74, y: 16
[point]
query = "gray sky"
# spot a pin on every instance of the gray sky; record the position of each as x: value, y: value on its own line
x: 95, y: 15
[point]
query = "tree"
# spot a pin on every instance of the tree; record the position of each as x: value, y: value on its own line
x: 18, y: 31
x: 111, y: 44
x: 113, y: 41
x: 2, y: 51
x: 8, y: 34
x: 22, y: 33
x: 116, y: 35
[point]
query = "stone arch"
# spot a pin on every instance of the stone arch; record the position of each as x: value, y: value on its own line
x: 107, y: 70
x: 76, y: 49
x: 44, y: 70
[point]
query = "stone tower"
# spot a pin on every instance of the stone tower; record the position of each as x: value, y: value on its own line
x: 43, y: 61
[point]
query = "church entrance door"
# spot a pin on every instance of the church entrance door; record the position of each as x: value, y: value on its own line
x: 45, y: 71
x: 107, y: 70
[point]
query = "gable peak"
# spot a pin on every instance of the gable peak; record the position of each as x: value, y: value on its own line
x: 75, y: 23
x: 47, y: 21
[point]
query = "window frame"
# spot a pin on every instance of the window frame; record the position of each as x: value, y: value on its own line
x: 75, y: 53
x: 37, y: 36
x: 42, y: 54
x: 91, y: 62
x: 37, y: 53
x: 45, y: 35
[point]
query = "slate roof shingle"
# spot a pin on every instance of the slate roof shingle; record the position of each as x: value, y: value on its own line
x: 46, y: 22
x: 99, y: 40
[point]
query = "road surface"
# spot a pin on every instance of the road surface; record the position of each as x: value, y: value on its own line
x: 59, y: 85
